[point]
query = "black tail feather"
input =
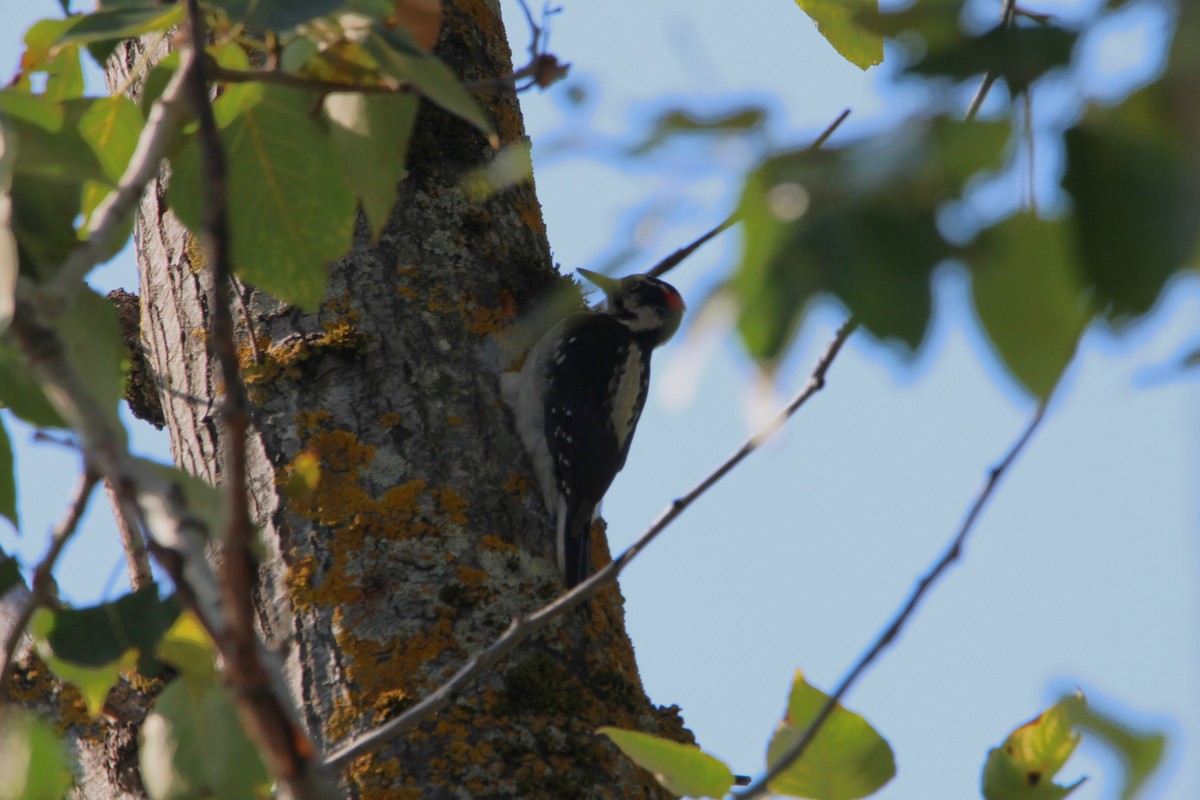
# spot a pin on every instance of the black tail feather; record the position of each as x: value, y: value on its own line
x: 576, y: 541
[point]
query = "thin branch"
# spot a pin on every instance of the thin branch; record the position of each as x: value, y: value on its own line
x: 1010, y: 11
x: 889, y: 634
x: 111, y: 216
x: 42, y: 583
x: 130, y: 532
x: 267, y: 719
x: 521, y: 629
x: 670, y: 262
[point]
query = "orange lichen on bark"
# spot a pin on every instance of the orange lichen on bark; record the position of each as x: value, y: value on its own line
x: 517, y: 485
x: 390, y: 419
x: 496, y: 544
x: 452, y: 505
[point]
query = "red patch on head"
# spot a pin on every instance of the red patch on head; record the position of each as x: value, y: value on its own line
x: 674, y: 301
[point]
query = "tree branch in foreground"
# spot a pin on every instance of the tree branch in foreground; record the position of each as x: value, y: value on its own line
x: 1010, y: 11
x: 110, y: 217
x: 42, y: 582
x: 521, y: 629
x: 889, y: 634
x: 670, y: 262
x: 267, y: 716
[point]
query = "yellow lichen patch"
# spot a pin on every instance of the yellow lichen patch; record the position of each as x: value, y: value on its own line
x: 285, y: 359
x: 195, y: 254
x: 530, y: 211
x: 471, y: 577
x: 300, y: 581
x: 377, y: 778
x: 390, y: 419
x: 516, y: 485
x: 452, y: 505
x: 496, y: 544
x: 454, y: 421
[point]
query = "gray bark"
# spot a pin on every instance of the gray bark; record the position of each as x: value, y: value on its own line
x: 425, y: 534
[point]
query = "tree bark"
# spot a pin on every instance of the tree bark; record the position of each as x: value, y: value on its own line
x: 424, y: 534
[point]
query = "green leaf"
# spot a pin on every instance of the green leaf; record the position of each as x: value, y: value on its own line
x: 847, y: 759
x: 1140, y: 753
x: 1020, y: 55
x: 1023, y: 768
x: 836, y: 20
x: 48, y: 142
x: 290, y: 210
x: 683, y: 770
x: 102, y: 634
x: 111, y: 127
x: 33, y: 760
x: 193, y: 745
x: 8, y: 484
x: 934, y: 21
x: 8, y: 242
x: 93, y: 682
x: 1030, y: 298
x: 22, y: 393
x: 858, y: 223
x: 370, y: 134
x: 91, y: 335
x: 188, y: 648
x: 123, y: 22
x: 1135, y: 194
x: 399, y: 57
x: 10, y: 573
x: 275, y: 15
x: 677, y: 122
x: 42, y: 213
x: 207, y: 503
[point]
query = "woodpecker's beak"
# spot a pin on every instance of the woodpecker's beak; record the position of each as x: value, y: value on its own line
x: 609, y: 285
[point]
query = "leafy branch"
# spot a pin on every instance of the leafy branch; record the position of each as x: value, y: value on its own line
x: 762, y: 786
x: 521, y: 629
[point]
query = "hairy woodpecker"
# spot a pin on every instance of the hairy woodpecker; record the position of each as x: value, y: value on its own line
x: 578, y: 398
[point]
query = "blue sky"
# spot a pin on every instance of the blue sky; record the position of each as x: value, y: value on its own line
x: 1083, y: 569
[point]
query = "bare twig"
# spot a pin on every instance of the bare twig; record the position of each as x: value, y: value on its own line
x: 1010, y: 10
x: 670, y: 262
x: 42, y: 582
x: 130, y: 532
x: 889, y: 634
x: 521, y: 629
x: 267, y: 719
x: 111, y: 216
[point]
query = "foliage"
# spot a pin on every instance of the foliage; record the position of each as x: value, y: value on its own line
x: 326, y: 133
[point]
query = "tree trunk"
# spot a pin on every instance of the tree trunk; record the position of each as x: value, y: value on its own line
x: 424, y: 534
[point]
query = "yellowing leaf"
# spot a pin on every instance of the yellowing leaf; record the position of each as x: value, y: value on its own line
x: 836, y: 22
x: 1023, y: 768
x: 683, y: 769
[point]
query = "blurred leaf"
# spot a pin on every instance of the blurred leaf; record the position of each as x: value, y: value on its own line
x: 93, y: 682
x: 275, y: 15
x: 290, y: 210
x: 935, y: 21
x: 1135, y: 196
x: 10, y: 573
x: 48, y: 141
x: 187, y: 647
x: 370, y: 134
x: 42, y: 214
x: 683, y: 770
x: 20, y: 392
x: 91, y: 335
x: 680, y: 122
x: 1018, y: 54
x: 511, y: 166
x: 847, y: 759
x: 111, y: 127
x: 1030, y: 298
x: 194, y: 746
x: 836, y: 21
x: 103, y: 633
x: 205, y: 502
x: 33, y: 760
x: 1140, y: 753
x: 400, y: 58
x: 8, y: 242
x: 60, y: 63
x: 858, y: 223
x: 8, y: 486
x: 40, y: 41
x: 123, y: 22
x: 1023, y: 768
